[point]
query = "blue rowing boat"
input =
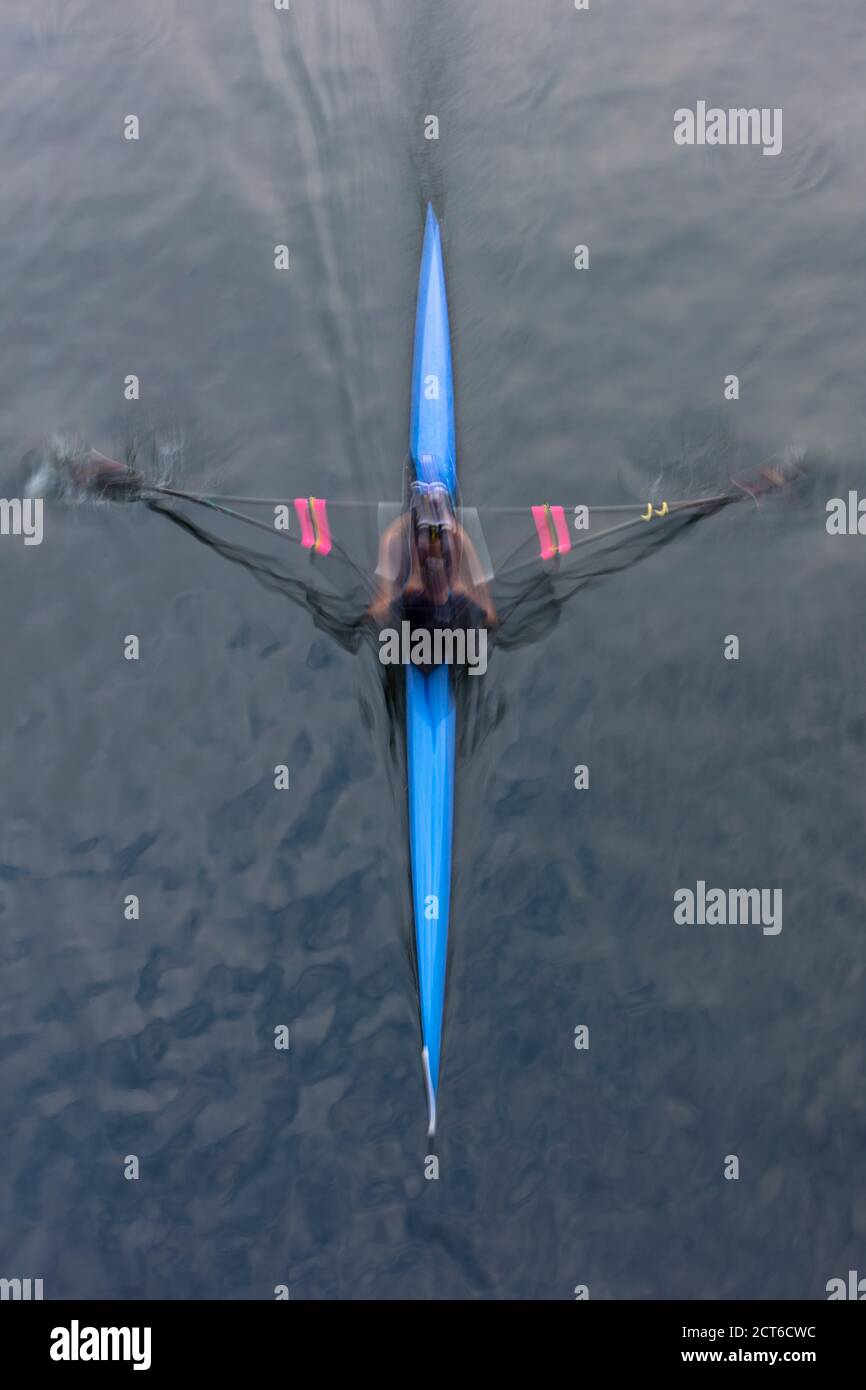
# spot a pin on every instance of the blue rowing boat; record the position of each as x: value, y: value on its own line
x: 73, y: 473
x: 430, y: 713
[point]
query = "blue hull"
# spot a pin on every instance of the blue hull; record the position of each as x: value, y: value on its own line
x: 430, y: 713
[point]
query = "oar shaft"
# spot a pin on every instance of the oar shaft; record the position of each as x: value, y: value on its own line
x: 203, y: 501
x: 273, y: 501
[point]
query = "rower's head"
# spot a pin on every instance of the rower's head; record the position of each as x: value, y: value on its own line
x: 431, y: 507
x: 433, y: 528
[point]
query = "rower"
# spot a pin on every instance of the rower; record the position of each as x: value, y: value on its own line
x: 429, y: 571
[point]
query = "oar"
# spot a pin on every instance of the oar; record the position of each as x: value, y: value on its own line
x: 205, y: 500
x: 721, y: 499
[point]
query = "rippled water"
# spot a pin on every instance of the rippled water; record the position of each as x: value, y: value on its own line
x: 155, y: 1037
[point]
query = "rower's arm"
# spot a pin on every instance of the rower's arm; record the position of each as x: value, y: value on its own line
x: 388, y: 569
x: 478, y: 583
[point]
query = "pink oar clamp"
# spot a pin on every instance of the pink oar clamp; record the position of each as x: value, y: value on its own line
x: 308, y: 538
x: 552, y: 528
x: 539, y: 516
x: 312, y: 514
x: 561, y: 526
x: 320, y: 515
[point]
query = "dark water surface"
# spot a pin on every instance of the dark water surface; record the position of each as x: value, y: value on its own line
x: 155, y: 1037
